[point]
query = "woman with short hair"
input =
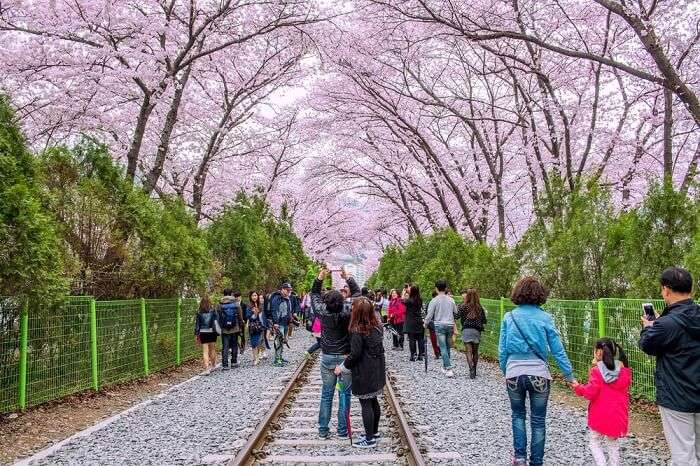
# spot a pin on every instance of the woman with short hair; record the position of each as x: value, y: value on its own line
x: 528, y: 336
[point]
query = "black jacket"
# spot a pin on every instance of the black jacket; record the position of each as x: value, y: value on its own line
x: 366, y: 361
x: 413, y: 321
x: 674, y: 339
x: 335, y: 338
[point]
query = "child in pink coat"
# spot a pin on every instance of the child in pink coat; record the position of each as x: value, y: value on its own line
x: 608, y: 392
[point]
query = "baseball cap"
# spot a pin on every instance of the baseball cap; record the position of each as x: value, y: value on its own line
x: 286, y: 285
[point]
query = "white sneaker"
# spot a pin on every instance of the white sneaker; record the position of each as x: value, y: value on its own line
x: 449, y: 373
x: 264, y: 355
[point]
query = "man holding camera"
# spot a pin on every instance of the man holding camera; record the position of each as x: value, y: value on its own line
x: 334, y: 311
x: 674, y: 338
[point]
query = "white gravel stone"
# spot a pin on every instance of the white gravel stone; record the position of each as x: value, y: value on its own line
x: 207, y: 420
x: 200, y: 422
x: 472, y: 416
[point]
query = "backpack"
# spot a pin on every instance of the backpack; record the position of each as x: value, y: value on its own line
x: 230, y: 314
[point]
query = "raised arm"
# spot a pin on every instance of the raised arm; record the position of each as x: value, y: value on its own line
x: 657, y: 336
x: 317, y: 305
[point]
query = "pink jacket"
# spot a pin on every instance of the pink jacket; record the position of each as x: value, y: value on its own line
x: 397, y: 311
x: 608, y: 410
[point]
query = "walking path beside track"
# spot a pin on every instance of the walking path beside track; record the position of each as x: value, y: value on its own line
x: 473, y: 416
x: 207, y: 420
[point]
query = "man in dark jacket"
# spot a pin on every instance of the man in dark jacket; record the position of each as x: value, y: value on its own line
x: 334, y: 312
x: 674, y: 338
x: 232, y: 322
x: 278, y: 310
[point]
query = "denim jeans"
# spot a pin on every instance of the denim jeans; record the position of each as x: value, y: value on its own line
x: 279, y: 342
x: 538, y: 390
x: 444, y: 334
x: 329, y: 380
x: 229, y: 341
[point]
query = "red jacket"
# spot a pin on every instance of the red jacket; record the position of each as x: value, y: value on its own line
x: 608, y: 410
x: 397, y: 311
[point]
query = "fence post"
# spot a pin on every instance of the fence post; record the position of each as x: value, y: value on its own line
x: 93, y: 344
x: 178, y: 321
x: 502, y: 307
x: 23, y: 337
x: 601, y: 318
x: 144, y: 336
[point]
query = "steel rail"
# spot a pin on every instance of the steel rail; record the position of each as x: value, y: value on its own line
x: 415, y: 457
x: 245, y: 455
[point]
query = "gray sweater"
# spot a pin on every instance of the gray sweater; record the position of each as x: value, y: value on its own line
x: 441, y: 310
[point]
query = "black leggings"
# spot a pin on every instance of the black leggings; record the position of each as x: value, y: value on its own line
x: 419, y: 339
x: 370, y: 416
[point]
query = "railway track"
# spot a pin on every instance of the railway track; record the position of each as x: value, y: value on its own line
x: 288, y: 433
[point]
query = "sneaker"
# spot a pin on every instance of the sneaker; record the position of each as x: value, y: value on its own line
x: 438, y: 356
x: 420, y: 358
x: 278, y: 364
x: 519, y: 462
x: 325, y: 436
x: 234, y: 364
x: 343, y: 436
x: 264, y: 355
x: 449, y: 373
x: 225, y: 368
x: 377, y: 437
x: 412, y: 358
x: 364, y: 443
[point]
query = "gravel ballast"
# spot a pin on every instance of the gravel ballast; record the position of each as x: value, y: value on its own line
x: 472, y: 416
x: 203, y: 421
x: 207, y: 420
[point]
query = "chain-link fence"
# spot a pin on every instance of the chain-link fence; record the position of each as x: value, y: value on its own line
x: 580, y: 324
x: 622, y: 323
x: 48, y: 351
x: 51, y: 350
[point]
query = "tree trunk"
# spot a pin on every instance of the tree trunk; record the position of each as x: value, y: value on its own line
x: 132, y: 157
x: 668, y: 138
x: 165, y: 136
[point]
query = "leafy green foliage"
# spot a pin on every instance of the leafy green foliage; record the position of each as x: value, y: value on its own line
x: 569, y: 251
x: 123, y: 243
x: 255, y: 250
x: 583, y: 249
x: 446, y: 255
x: 30, y: 254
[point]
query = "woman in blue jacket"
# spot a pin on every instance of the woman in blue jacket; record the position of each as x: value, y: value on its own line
x: 528, y: 336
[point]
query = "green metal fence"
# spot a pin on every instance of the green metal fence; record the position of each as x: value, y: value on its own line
x: 78, y: 344
x: 580, y: 324
x: 49, y: 351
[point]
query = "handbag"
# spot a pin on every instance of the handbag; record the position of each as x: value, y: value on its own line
x: 532, y: 348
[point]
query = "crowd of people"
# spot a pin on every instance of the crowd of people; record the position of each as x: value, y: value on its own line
x: 348, y: 326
